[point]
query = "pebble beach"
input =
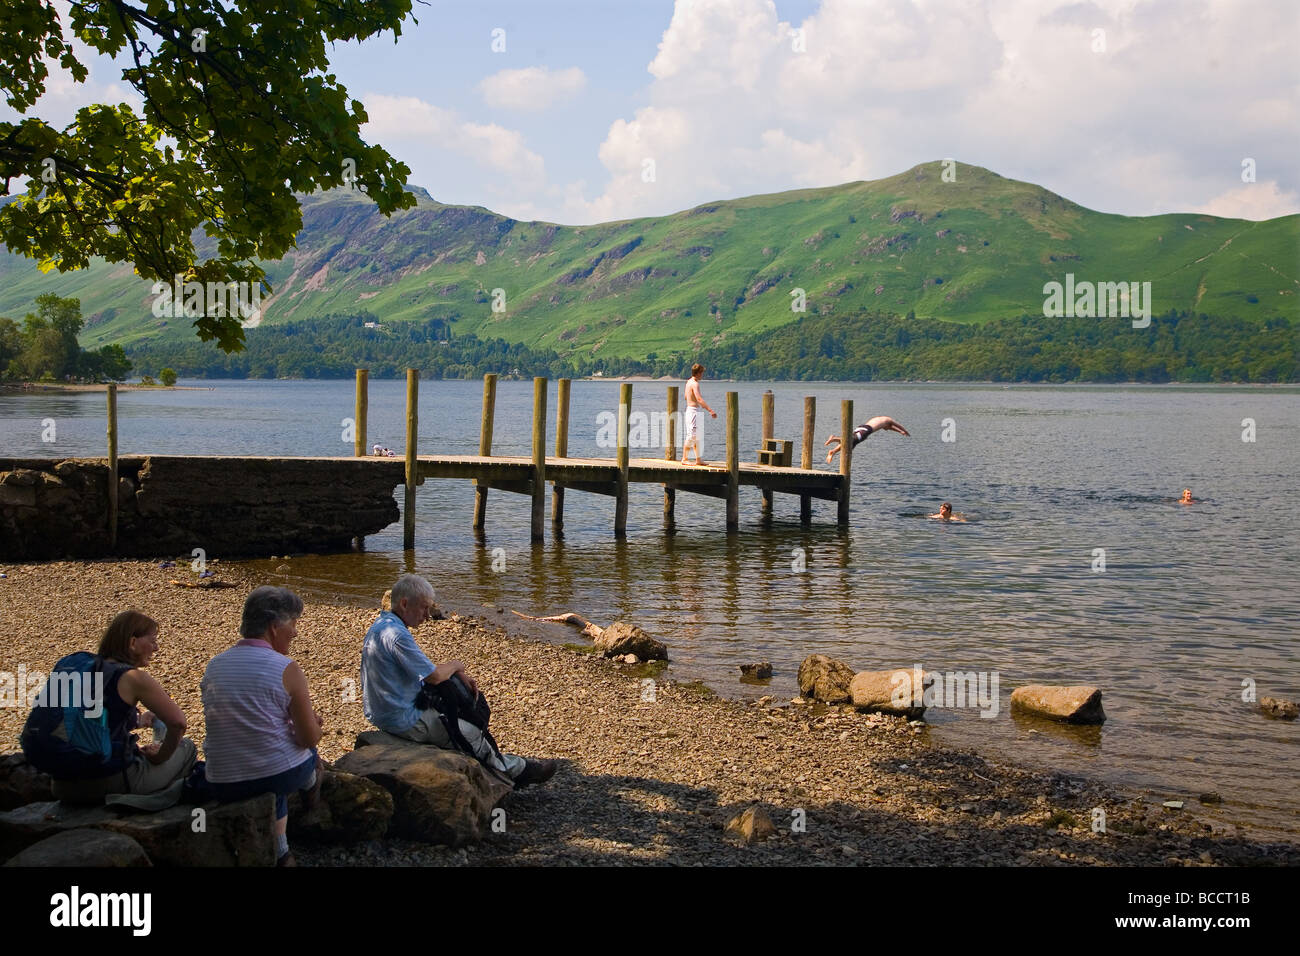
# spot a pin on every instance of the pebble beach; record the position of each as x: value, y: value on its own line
x: 643, y: 781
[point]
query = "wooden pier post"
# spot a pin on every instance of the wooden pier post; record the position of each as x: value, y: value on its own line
x: 363, y: 405
x: 620, y: 497
x: 112, y: 466
x: 412, y: 467
x: 539, y: 457
x: 561, y: 451
x: 733, y: 461
x: 846, y: 459
x: 670, y: 454
x: 769, y: 401
x: 806, y: 457
x: 359, y: 449
x: 485, y: 446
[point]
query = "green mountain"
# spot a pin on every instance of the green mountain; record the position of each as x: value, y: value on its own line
x: 974, y: 250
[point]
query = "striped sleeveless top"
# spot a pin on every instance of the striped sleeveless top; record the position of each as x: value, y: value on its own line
x: 249, y: 734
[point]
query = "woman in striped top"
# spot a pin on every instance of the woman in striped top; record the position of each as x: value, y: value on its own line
x: 262, y: 729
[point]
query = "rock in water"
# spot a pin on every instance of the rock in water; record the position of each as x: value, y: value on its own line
x: 890, y: 692
x: 1073, y: 705
x: 1278, y: 708
x: 439, y: 796
x: 826, y: 679
x: 83, y: 848
x: 351, y: 809
x: 621, y: 639
x: 760, y: 671
x: 752, y: 825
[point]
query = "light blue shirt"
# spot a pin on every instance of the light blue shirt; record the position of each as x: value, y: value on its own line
x: 392, y: 669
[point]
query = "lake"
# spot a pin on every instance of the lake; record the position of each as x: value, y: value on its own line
x: 1076, y: 565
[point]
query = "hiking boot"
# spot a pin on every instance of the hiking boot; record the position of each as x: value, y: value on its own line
x: 536, y: 771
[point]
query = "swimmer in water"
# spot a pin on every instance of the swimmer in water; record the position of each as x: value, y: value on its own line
x: 881, y: 423
x: 1187, y: 498
x: 945, y: 514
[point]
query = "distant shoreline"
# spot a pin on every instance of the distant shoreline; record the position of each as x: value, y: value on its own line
x: 46, y: 387
x: 54, y: 389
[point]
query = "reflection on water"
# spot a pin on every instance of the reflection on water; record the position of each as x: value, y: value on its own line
x: 1191, y: 601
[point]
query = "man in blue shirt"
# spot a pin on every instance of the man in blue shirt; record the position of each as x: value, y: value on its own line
x: 392, y: 669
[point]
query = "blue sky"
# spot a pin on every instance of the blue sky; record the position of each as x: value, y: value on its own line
x: 443, y: 58
x: 1129, y: 106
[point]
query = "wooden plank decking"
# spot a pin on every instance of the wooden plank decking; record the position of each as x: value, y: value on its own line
x: 529, y: 475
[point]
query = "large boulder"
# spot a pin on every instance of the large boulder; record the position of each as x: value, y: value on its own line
x: 21, y: 783
x: 217, y: 834
x: 621, y: 638
x: 824, y: 678
x: 83, y: 848
x: 890, y: 692
x: 439, y: 796
x: 351, y: 809
x: 1072, y: 705
x: 1278, y: 708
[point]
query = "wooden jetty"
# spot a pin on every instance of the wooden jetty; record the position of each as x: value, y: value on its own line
x: 773, y: 472
x: 528, y: 475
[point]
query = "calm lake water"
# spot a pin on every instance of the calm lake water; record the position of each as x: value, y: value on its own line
x: 1193, y: 601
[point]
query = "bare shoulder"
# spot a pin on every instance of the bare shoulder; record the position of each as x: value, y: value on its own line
x: 293, y: 677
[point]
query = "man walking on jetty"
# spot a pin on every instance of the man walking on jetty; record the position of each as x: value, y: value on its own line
x: 694, y: 402
x: 393, y: 671
x: 881, y: 423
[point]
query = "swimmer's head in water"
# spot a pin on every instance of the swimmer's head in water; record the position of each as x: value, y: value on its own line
x: 1187, y: 494
x: 945, y: 509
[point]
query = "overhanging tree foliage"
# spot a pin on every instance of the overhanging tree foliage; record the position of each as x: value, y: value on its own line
x: 239, y: 114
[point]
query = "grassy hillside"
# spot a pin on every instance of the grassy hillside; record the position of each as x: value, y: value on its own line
x: 974, y: 250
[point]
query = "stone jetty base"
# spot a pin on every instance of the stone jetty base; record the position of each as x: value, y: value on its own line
x: 170, y: 505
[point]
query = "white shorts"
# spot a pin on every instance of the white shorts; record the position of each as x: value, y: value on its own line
x: 692, y: 423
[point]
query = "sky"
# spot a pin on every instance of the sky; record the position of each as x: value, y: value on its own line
x: 580, y: 112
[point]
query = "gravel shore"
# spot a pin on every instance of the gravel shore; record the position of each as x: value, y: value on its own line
x: 643, y: 781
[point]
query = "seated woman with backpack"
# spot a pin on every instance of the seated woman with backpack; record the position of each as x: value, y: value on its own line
x: 261, y: 727
x: 80, y: 731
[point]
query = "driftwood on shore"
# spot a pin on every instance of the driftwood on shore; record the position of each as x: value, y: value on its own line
x: 589, y: 630
x: 620, y: 639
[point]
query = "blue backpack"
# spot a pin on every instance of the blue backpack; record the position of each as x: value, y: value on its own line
x: 59, y: 737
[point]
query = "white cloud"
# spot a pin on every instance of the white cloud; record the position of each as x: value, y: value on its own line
x: 407, y: 121
x: 1156, y: 121
x: 533, y: 88
x: 1260, y: 200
